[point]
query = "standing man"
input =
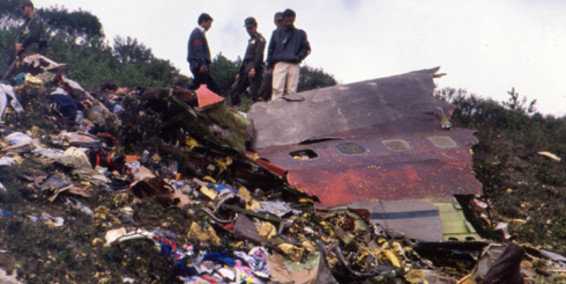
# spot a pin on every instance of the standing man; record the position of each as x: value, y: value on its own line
x: 287, y: 48
x: 266, y: 87
x: 251, y: 71
x: 199, y: 54
x: 28, y: 40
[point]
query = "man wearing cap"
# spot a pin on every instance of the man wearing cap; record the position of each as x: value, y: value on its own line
x: 287, y: 48
x: 251, y: 71
x: 266, y: 88
x: 28, y: 40
x: 199, y: 54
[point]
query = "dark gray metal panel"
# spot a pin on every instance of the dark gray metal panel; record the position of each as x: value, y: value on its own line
x: 416, y: 219
x: 322, y: 112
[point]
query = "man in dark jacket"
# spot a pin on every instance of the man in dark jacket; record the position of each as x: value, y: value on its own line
x: 251, y: 71
x: 30, y: 35
x: 287, y: 48
x: 266, y: 88
x: 199, y: 54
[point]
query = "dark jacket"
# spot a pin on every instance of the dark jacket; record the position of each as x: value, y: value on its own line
x: 31, y: 34
x: 288, y: 46
x: 198, y: 52
x: 253, y: 59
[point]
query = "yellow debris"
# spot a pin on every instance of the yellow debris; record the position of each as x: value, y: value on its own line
x: 209, y: 179
x: 416, y: 276
x: 245, y: 194
x: 97, y: 241
x: 292, y: 251
x: 390, y: 255
x: 467, y: 280
x: 267, y: 230
x: 32, y: 80
x: 306, y: 200
x: 156, y: 158
x: 196, y: 232
x: 190, y: 143
x: 101, y: 212
x: 309, y: 247
x: 210, y: 193
x: 224, y: 162
x: 254, y: 205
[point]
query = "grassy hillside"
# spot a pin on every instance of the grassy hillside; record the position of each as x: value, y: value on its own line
x: 527, y: 189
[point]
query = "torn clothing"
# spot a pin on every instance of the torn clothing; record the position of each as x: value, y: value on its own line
x: 30, y: 35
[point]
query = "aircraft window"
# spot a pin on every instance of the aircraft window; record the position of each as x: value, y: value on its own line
x: 442, y: 142
x: 305, y: 154
x: 397, y: 145
x: 350, y: 148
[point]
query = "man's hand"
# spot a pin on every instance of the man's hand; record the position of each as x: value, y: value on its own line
x: 270, y: 71
x: 203, y: 69
x: 251, y: 74
x: 19, y: 47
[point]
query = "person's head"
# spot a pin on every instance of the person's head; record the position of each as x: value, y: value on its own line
x: 27, y: 8
x: 278, y: 19
x: 251, y: 25
x: 288, y: 18
x: 205, y: 21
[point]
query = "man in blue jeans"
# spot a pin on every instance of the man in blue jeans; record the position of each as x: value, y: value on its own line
x: 199, y: 55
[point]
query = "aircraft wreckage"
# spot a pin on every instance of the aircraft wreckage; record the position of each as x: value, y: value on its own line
x: 384, y: 145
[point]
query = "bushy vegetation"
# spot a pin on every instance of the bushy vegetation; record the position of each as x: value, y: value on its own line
x: 76, y: 38
x: 526, y: 188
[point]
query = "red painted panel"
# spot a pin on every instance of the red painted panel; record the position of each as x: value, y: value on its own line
x: 424, y: 171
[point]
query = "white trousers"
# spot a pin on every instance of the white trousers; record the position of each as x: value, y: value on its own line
x: 285, y: 75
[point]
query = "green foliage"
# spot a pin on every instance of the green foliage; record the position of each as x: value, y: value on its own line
x: 7, y: 39
x: 72, y: 24
x: 8, y: 7
x: 314, y: 78
x: 224, y: 71
x: 128, y: 50
x: 76, y: 38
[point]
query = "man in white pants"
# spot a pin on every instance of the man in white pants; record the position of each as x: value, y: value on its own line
x: 287, y: 48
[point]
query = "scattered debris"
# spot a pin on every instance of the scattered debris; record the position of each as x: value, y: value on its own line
x: 90, y: 183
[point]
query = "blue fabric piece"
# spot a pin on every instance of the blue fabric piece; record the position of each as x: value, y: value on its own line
x: 166, y: 249
x: 18, y: 80
x: 219, y: 187
x: 187, y: 271
x: 221, y: 257
x: 5, y: 213
x: 67, y: 105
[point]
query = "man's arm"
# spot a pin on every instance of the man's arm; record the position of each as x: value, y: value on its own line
x: 305, y: 48
x: 259, y: 49
x: 271, y: 50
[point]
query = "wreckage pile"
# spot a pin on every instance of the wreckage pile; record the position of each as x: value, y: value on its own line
x: 157, y: 185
